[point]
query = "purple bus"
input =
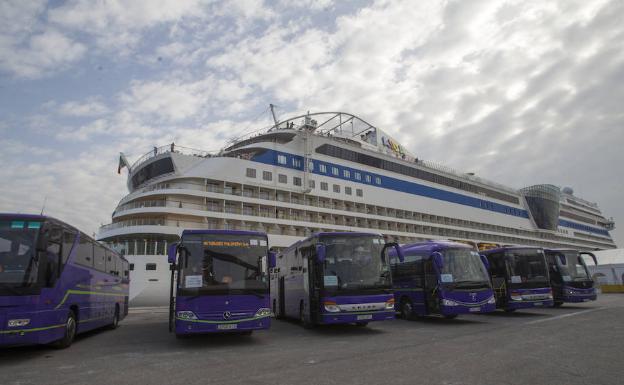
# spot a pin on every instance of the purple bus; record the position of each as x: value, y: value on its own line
x: 569, y: 276
x: 441, y: 277
x: 519, y: 277
x: 334, y: 278
x: 56, y: 282
x: 219, y: 282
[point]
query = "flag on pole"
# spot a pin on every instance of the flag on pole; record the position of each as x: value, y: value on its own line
x: 123, y: 162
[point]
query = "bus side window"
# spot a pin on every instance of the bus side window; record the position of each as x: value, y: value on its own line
x: 99, y: 257
x: 84, y: 252
x: 68, y: 242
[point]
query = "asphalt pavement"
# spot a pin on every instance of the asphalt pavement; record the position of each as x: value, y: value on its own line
x: 574, y: 344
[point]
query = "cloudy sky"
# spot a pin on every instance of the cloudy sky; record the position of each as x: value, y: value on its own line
x: 519, y: 92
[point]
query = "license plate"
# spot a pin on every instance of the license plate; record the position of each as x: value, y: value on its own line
x: 227, y: 326
x: 537, y: 304
x: 474, y: 309
x: 364, y: 316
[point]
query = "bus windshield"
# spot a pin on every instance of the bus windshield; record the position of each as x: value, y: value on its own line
x: 527, y: 265
x: 574, y: 269
x: 223, y: 263
x: 355, y: 262
x: 463, y: 266
x: 18, y: 241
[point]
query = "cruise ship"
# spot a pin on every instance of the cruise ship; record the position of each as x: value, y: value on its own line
x: 329, y: 171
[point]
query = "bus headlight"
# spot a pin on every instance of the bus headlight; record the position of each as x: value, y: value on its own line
x: 14, y: 323
x: 390, y: 304
x: 448, y: 302
x: 491, y: 300
x: 331, y: 307
x: 516, y: 296
x: 186, y: 315
x: 263, y: 312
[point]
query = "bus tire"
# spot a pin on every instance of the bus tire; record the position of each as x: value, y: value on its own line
x: 115, y: 324
x: 510, y: 310
x: 246, y: 332
x: 557, y: 303
x: 361, y: 324
x: 407, y: 309
x: 70, y: 332
x: 450, y: 316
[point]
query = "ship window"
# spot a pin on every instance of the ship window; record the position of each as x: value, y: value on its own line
x: 378, y: 180
x: 132, y: 267
x: 324, y: 186
x: 150, y: 266
x: 297, y: 181
x: 281, y: 159
x: 296, y: 163
x: 348, y: 190
x: 282, y: 178
x: 267, y: 175
x: 369, y: 178
x: 311, y: 184
x: 251, y: 173
x: 336, y: 188
x: 346, y: 173
x: 357, y: 176
x: 311, y: 166
x: 152, y: 170
x: 335, y: 170
x: 359, y: 192
x: 323, y: 168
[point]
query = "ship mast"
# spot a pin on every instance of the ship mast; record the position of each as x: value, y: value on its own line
x: 273, y: 113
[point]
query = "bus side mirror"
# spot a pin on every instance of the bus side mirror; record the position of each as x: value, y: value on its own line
x: 397, y: 249
x: 437, y: 260
x: 172, y: 253
x: 485, y: 261
x: 320, y: 252
x: 272, y: 259
x: 591, y: 255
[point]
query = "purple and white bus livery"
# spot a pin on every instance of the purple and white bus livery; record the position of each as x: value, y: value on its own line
x: 56, y: 282
x: 334, y: 278
x: 519, y: 277
x: 219, y: 282
x: 441, y: 277
x: 569, y: 276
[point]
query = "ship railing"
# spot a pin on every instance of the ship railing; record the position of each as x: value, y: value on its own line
x: 172, y: 148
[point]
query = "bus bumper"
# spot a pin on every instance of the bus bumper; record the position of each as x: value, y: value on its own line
x: 513, y: 305
x: 579, y: 295
x: 343, y: 318
x: 42, y: 328
x: 464, y: 309
x: 183, y: 326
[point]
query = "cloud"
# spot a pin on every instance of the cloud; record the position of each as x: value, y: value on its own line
x: 83, y: 109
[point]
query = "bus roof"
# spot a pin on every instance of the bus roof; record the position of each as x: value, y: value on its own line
x: 23, y: 216
x: 434, y: 245
x: 223, y: 232
x: 504, y: 248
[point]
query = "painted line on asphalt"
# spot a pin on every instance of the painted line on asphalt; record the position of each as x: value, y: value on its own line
x: 564, y: 316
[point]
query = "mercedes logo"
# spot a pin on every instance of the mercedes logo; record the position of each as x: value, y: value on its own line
x: 473, y: 296
x: 227, y: 315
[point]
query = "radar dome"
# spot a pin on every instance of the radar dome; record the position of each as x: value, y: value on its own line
x: 568, y: 190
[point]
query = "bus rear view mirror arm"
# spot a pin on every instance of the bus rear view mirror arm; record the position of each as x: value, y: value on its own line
x: 485, y: 261
x: 437, y: 260
x: 321, y: 251
x: 590, y: 254
x: 398, y: 250
x: 172, y: 252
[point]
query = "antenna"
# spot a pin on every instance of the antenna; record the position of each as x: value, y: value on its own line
x: 45, y: 199
x: 273, y: 113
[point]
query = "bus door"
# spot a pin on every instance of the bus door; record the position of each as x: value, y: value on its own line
x: 281, y: 295
x: 498, y: 272
x: 432, y: 305
x: 311, y: 273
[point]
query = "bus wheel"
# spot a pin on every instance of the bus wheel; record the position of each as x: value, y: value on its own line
x: 450, y: 316
x: 510, y: 310
x: 115, y: 323
x: 361, y: 324
x: 407, y: 309
x: 557, y: 303
x: 246, y: 332
x: 70, y: 332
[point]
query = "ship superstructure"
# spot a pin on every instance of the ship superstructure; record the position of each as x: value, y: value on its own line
x: 329, y: 171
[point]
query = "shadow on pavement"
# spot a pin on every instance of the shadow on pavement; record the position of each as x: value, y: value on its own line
x: 439, y: 320
x: 515, y: 314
